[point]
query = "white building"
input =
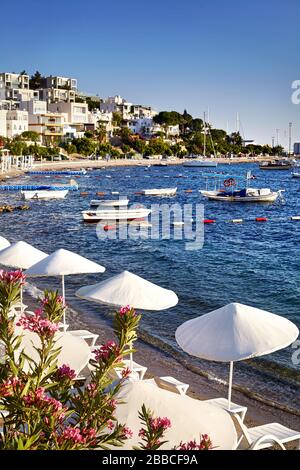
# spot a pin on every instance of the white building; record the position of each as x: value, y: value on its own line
x: 61, y: 82
x: 55, y: 95
x: 16, y: 122
x: 116, y: 104
x: 97, y: 118
x: 3, y: 130
x: 34, y: 106
x: 77, y: 113
x: 11, y: 84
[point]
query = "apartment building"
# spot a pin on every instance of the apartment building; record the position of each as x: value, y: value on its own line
x: 61, y: 83
x: 55, y: 95
x: 77, y: 113
x: 11, y: 83
x: 16, y: 122
x: 48, y: 125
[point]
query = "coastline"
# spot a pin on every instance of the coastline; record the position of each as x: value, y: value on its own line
x: 161, y: 363
x: 96, y: 164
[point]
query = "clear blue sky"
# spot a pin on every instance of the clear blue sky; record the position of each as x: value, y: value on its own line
x: 233, y: 55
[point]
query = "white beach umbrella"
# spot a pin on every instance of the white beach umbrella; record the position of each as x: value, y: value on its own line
x: 75, y: 351
x: 21, y: 255
x: 3, y: 243
x: 63, y: 263
x: 129, y: 289
x: 189, y: 417
x: 234, y: 333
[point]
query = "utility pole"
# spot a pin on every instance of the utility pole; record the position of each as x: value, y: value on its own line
x: 204, y: 118
x: 277, y: 137
x: 237, y: 123
x: 290, y: 137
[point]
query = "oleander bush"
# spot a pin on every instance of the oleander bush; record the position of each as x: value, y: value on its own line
x: 42, y: 405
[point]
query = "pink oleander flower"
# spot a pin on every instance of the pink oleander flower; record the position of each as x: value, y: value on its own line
x: 12, y: 277
x: 40, y: 400
x: 71, y: 434
x: 126, y: 433
x: 142, y: 433
x: 65, y: 372
x: 35, y: 323
x: 127, y: 309
x: 110, y: 425
x: 107, y: 351
x: 92, y: 389
x: 89, y: 434
x: 8, y: 387
x: 113, y: 404
x: 160, y: 423
x: 204, y: 444
x: 126, y: 373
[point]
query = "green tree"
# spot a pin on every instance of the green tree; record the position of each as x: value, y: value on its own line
x: 30, y: 135
x: 117, y: 119
x: 35, y: 81
x: 85, y: 146
x: 140, y: 146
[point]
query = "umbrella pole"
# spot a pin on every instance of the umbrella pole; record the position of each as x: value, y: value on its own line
x: 63, y: 294
x: 21, y: 299
x: 230, y: 384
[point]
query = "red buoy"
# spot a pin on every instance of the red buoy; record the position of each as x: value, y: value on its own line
x: 109, y: 227
x: 208, y: 221
x: 261, y: 219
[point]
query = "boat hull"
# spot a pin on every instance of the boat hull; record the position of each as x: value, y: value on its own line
x: 46, y: 194
x: 212, y: 196
x: 159, y: 192
x: 107, y: 203
x: 114, y: 215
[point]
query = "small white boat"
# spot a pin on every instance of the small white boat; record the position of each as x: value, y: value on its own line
x: 201, y: 163
x: 45, y: 194
x: 109, y: 203
x: 115, y: 214
x: 243, y: 195
x: 159, y: 192
x: 295, y: 175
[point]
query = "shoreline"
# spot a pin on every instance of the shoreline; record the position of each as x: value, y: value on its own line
x: 102, y: 164
x: 161, y: 363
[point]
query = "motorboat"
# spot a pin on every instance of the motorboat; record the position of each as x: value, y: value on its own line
x: 226, y: 189
x: 121, y: 214
x: 159, y: 192
x: 242, y: 195
x: 276, y: 165
x: 295, y: 175
x: 201, y: 163
x: 109, y: 203
x: 45, y: 194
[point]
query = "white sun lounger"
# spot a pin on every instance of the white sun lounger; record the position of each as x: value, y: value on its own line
x: 87, y: 335
x: 264, y: 436
x: 172, y: 384
x: 234, y: 408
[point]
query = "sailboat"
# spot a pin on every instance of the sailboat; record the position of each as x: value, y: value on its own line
x: 202, y: 162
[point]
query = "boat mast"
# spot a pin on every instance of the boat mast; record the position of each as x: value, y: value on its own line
x: 204, y: 133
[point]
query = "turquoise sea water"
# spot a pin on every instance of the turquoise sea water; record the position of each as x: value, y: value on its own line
x: 252, y: 263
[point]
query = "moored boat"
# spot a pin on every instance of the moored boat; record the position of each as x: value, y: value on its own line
x: 201, y: 163
x: 159, y: 192
x: 45, y: 194
x: 115, y: 214
x: 243, y: 195
x: 295, y: 175
x: 109, y: 202
x: 276, y: 165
